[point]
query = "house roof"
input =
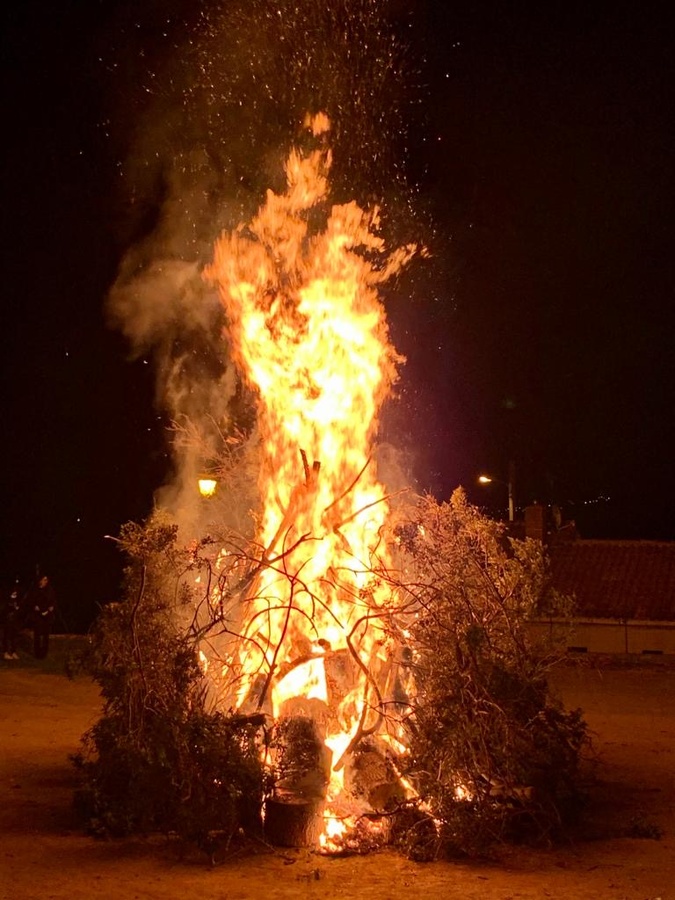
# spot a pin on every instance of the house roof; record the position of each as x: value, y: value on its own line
x: 617, y: 579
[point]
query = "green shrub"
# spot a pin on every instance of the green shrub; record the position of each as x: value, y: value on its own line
x: 493, y: 755
x: 157, y: 760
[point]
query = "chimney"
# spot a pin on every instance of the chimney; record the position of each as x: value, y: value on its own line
x: 535, y: 522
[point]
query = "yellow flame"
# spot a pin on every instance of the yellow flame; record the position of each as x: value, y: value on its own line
x: 308, y: 332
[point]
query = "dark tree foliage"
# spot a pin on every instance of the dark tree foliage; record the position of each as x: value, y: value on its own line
x: 494, y: 755
x: 157, y: 760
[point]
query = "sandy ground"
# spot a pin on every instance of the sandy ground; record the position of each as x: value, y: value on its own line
x: 44, y: 855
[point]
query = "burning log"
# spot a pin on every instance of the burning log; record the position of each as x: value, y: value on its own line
x: 370, y: 775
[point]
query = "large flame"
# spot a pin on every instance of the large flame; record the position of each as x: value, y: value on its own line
x: 308, y: 332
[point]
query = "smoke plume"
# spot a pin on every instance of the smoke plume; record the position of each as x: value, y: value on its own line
x: 218, y: 106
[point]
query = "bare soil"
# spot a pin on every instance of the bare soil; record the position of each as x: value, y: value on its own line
x: 627, y: 851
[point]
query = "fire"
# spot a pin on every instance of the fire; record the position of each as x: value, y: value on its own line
x: 308, y: 332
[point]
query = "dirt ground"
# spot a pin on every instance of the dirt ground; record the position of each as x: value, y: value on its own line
x: 44, y: 855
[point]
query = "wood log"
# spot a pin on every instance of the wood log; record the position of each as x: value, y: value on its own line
x: 370, y: 775
x: 293, y: 821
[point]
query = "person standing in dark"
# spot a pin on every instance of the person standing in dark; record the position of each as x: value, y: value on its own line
x: 11, y: 605
x: 42, y: 609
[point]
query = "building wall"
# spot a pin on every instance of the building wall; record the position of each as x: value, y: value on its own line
x: 611, y: 636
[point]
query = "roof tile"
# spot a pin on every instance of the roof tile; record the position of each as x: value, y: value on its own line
x: 617, y: 579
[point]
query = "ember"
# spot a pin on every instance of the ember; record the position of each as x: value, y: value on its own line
x: 316, y: 640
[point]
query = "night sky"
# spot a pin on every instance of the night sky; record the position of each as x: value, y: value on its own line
x: 539, y: 154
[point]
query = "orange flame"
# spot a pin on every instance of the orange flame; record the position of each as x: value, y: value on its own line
x: 308, y: 331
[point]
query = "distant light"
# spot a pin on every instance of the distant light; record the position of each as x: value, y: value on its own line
x: 207, y: 486
x: 485, y: 479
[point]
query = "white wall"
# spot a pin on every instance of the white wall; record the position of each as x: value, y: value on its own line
x: 607, y: 635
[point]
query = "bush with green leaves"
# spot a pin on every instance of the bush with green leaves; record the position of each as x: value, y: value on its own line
x: 157, y: 760
x: 493, y: 754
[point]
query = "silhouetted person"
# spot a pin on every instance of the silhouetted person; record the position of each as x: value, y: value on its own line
x: 11, y: 606
x: 42, y: 609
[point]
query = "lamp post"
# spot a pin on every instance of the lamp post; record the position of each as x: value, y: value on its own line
x: 488, y: 479
x: 207, y: 485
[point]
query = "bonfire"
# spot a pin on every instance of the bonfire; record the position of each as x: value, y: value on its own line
x: 317, y: 637
x: 357, y: 669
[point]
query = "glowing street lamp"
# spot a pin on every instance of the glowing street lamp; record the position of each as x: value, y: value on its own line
x: 207, y: 485
x: 488, y: 479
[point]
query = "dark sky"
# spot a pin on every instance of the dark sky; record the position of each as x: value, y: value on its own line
x: 541, y: 331
x: 556, y: 145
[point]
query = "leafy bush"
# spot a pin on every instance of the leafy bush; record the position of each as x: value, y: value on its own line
x: 157, y: 760
x: 493, y: 755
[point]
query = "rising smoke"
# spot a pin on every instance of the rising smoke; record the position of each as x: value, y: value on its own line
x: 218, y: 107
